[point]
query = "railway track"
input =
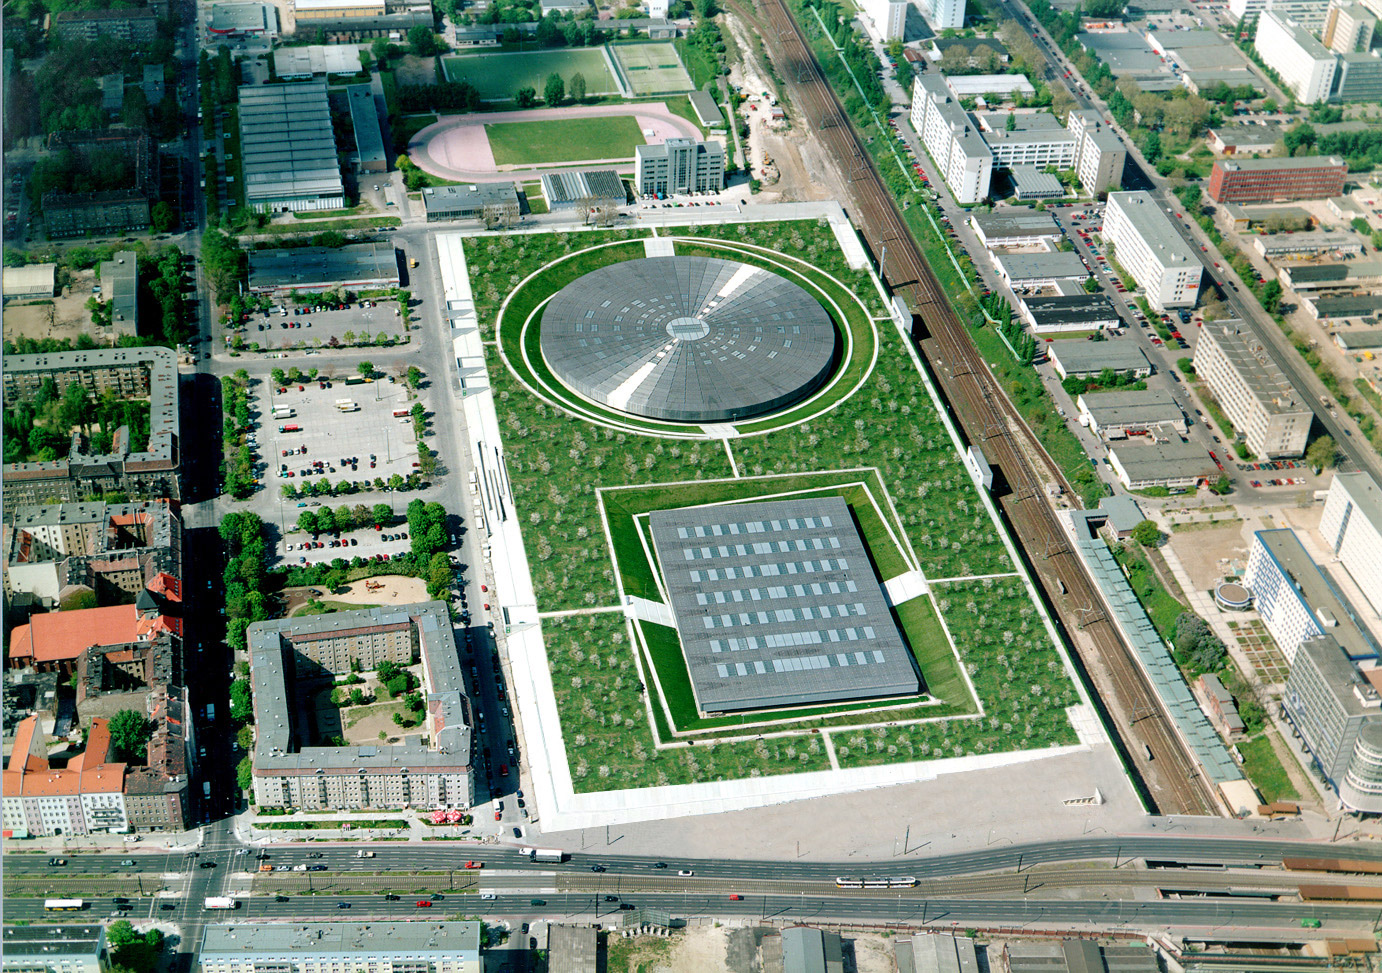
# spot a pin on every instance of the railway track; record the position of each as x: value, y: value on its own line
x: 990, y: 421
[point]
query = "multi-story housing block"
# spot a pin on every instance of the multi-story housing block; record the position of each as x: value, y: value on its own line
x: 1248, y: 181
x: 138, y: 25
x: 1352, y: 528
x: 952, y: 139
x: 1349, y: 27
x: 1255, y: 393
x: 1148, y: 247
x: 83, y: 797
x: 289, y: 771
x: 150, y: 373
x: 1287, y: 47
x: 342, y: 947
x: 55, y: 949
x: 1099, y: 153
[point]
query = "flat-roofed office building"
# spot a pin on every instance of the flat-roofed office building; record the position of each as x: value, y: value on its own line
x: 679, y: 166
x: 1148, y: 247
x: 1255, y: 393
x: 1121, y: 413
x: 55, y: 949
x: 1297, y: 601
x: 288, y: 149
x: 1015, y: 228
x: 1287, y: 47
x: 1249, y: 181
x: 1176, y: 465
x: 1083, y: 359
x: 1352, y: 527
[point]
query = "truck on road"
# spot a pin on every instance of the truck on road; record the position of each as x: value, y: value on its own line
x: 222, y: 902
x: 364, y: 854
x: 290, y: 428
x: 548, y: 855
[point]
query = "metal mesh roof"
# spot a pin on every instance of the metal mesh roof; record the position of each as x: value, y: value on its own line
x: 777, y: 604
x: 1153, y: 656
x: 689, y: 339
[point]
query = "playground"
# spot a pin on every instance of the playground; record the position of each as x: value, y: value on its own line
x: 652, y: 68
x: 499, y: 76
x: 525, y: 144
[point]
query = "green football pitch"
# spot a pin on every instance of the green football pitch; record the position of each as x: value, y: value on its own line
x: 499, y: 76
x: 564, y: 140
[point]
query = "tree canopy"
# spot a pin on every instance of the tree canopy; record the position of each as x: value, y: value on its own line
x: 130, y: 733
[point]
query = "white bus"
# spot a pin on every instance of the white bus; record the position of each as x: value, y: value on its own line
x: 64, y: 905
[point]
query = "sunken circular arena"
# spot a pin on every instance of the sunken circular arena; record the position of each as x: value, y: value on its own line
x: 688, y: 339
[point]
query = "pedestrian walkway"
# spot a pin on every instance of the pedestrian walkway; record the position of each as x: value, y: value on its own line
x: 650, y: 611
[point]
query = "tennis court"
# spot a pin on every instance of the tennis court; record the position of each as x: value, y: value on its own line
x: 652, y: 69
x: 499, y: 76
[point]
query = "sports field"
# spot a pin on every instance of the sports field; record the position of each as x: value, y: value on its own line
x: 652, y: 69
x: 563, y: 140
x: 499, y: 76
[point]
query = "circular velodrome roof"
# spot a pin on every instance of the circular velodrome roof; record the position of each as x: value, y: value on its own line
x: 688, y: 339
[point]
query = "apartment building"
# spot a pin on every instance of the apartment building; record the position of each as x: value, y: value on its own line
x: 679, y: 166
x: 1099, y: 153
x: 1351, y: 526
x: 150, y: 373
x: 85, y: 796
x: 113, y: 550
x: 1297, y: 602
x: 1349, y: 28
x: 55, y: 949
x: 1247, y: 181
x: 1148, y: 247
x: 110, y: 211
x: 334, y: 947
x: 1336, y: 711
x: 1255, y: 393
x: 1287, y: 47
x: 952, y: 139
x: 289, y: 653
x: 943, y: 14
x: 1034, y: 139
x: 889, y: 17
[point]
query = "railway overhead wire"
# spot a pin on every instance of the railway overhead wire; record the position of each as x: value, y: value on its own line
x: 1173, y: 781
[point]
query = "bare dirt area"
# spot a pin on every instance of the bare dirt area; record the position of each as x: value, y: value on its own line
x: 1209, y: 554
x: 800, y: 168
x: 719, y: 948
x: 415, y: 70
x: 394, y: 589
x: 64, y: 318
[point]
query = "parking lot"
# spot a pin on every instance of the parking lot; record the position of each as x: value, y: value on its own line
x: 314, y: 326
x: 312, y: 436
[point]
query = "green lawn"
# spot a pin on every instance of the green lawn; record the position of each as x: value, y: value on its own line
x: 499, y: 76
x: 563, y: 140
x: 1264, y: 769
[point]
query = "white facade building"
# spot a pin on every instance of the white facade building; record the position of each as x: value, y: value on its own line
x: 1255, y: 393
x: 1305, y: 65
x: 1099, y: 153
x: 943, y: 14
x: 55, y: 949
x: 1148, y: 247
x: 952, y: 139
x: 1352, y: 528
x: 889, y: 18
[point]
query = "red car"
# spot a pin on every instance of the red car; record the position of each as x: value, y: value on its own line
x: 424, y: 904
x: 498, y: 815
x: 503, y: 770
x: 474, y: 864
x: 735, y: 898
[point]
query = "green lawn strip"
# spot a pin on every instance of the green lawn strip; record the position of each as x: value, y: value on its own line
x: 497, y: 263
x: 1161, y: 606
x: 609, y: 744
x: 564, y: 140
x: 935, y: 657
x: 1263, y: 768
x: 326, y: 607
x: 389, y: 83
x: 663, y: 648
x: 329, y: 824
x: 700, y: 64
x: 335, y: 214
x: 368, y: 223
x: 403, y: 129
x: 537, y: 203
x: 680, y: 105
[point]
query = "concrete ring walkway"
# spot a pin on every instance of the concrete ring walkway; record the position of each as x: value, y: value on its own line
x: 457, y: 148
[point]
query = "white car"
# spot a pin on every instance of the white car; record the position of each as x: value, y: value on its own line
x: 487, y: 895
x: 686, y: 873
